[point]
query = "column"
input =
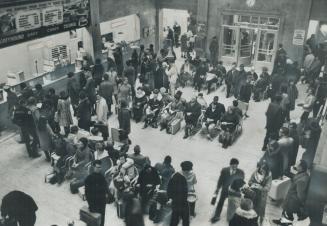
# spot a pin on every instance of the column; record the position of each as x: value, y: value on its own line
x: 202, y: 27
x: 94, y: 46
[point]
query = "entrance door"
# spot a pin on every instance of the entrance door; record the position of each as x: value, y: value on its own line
x: 246, y: 40
x: 229, y: 44
x: 266, y: 49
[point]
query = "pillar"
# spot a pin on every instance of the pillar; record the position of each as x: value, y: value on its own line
x: 94, y: 45
x: 202, y: 27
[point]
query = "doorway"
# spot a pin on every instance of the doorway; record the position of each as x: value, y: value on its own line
x: 249, y: 40
x: 167, y: 18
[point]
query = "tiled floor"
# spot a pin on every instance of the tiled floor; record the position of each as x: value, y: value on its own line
x: 58, y: 206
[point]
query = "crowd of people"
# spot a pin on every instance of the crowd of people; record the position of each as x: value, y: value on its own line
x: 145, y: 89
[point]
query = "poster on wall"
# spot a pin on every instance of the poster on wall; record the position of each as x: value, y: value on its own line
x: 298, y: 37
x: 23, y: 20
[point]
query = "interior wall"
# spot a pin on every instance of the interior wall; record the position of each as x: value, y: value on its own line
x: 318, y: 10
x: 145, y: 9
x: 190, y: 5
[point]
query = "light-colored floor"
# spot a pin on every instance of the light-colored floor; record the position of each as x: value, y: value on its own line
x: 58, y: 206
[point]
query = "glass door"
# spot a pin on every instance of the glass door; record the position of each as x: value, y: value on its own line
x: 246, y: 41
x: 266, y: 49
x: 229, y: 44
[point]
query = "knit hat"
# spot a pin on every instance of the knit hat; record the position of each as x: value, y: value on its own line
x: 187, y: 165
x: 246, y: 204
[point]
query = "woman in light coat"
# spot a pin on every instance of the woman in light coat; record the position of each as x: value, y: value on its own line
x: 65, y: 118
x: 260, y: 182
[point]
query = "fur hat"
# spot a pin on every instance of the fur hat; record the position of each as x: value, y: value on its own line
x: 187, y: 165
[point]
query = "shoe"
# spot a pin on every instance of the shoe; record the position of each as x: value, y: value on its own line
x: 162, y: 128
x: 214, y: 219
x: 246, y: 116
x: 145, y: 126
x: 185, y: 136
x: 264, y: 149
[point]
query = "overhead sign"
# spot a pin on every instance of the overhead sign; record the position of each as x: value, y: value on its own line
x: 298, y: 37
x: 30, y: 19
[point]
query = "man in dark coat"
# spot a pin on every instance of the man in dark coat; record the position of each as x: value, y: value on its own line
x: 213, y: 48
x: 296, y: 196
x: 124, y: 117
x: 147, y: 181
x: 12, y: 100
x: 231, y: 74
x: 244, y: 215
x: 274, y: 120
x: 20, y: 207
x: 239, y: 80
x: 245, y: 96
x: 227, y: 176
x: 106, y: 90
x: 96, y: 191
x: 293, y: 133
x: 23, y: 118
x: 177, y: 191
x: 192, y: 113
x: 98, y: 72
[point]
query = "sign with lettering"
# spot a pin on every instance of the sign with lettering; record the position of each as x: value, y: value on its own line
x: 23, y: 20
x: 298, y: 37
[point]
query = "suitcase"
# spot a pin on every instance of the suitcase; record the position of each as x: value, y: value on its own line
x: 91, y: 219
x: 174, y: 126
x: 81, y: 193
x: 120, y: 209
x: 279, y: 188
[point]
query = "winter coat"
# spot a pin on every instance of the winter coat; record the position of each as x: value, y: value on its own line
x: 274, y: 117
x: 165, y: 171
x: 244, y: 218
x: 139, y: 160
x: 106, y: 90
x: 292, y: 95
x: 216, y: 114
x: 190, y: 179
x: 124, y: 118
x: 102, y: 110
x: 226, y: 179
x: 259, y: 204
x: 148, y: 178
x: 245, y: 93
x: 64, y: 115
x: 84, y: 114
x: 177, y: 191
x: 73, y: 90
x: 297, y: 192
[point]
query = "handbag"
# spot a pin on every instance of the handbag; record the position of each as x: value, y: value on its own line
x: 213, y: 200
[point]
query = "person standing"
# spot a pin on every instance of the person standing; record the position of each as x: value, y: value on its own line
x: 12, y: 100
x: 101, y: 110
x: 165, y: 170
x: 84, y: 112
x: 260, y: 182
x: 73, y: 90
x: 177, y: 191
x: 233, y: 72
x: 187, y: 172
x: 106, y: 90
x: 19, y: 207
x: 98, y: 72
x: 26, y: 91
x: 213, y: 48
x: 90, y: 91
x: 274, y: 120
x: 294, y: 134
x: 239, y: 81
x: 63, y: 110
x: 286, y: 145
x: 96, y: 191
x: 307, y: 105
x: 245, y: 96
x: 293, y: 94
x: 124, y: 118
x: 172, y: 74
x: 23, y: 118
x: 227, y: 176
x: 296, y: 196
x: 177, y: 33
